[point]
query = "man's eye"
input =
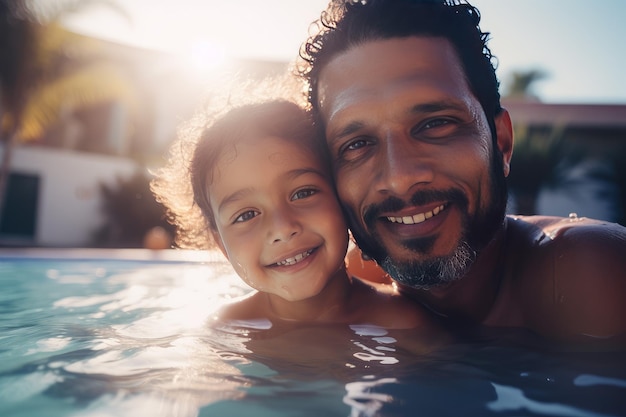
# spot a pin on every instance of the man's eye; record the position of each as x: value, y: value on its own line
x: 245, y: 216
x: 304, y: 193
x: 354, y: 149
x: 435, y: 123
x: 356, y: 144
x: 435, y: 128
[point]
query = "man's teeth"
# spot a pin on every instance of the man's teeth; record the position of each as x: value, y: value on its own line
x: 295, y: 259
x: 417, y: 218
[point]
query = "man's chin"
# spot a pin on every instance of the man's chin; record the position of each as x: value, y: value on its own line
x: 430, y: 273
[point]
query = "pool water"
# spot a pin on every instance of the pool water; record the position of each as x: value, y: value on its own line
x: 128, y: 336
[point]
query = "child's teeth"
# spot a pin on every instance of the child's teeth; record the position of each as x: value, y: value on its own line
x: 295, y: 259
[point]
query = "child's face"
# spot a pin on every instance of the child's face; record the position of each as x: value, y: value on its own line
x: 280, y: 224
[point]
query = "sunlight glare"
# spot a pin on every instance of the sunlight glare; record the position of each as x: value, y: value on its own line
x: 205, y: 55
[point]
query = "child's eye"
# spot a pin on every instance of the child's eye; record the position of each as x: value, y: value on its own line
x: 304, y: 193
x: 245, y: 216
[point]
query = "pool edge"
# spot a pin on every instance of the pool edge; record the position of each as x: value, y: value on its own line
x: 167, y: 255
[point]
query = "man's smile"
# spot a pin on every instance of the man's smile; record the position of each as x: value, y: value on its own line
x: 417, y: 218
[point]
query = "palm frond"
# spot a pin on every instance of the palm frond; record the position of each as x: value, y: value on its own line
x: 91, y: 85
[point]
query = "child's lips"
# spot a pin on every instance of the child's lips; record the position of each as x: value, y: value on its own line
x: 294, y: 259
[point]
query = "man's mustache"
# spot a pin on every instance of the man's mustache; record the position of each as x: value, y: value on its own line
x: 421, y: 197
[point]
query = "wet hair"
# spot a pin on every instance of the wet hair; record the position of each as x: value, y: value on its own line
x: 182, y: 186
x: 349, y: 23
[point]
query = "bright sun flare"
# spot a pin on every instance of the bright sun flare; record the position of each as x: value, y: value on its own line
x: 206, y: 55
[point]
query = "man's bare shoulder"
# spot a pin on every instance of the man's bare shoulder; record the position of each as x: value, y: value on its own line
x: 570, y: 242
x: 555, y: 227
x: 574, y: 274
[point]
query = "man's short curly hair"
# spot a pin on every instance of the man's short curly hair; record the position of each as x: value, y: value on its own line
x: 348, y: 23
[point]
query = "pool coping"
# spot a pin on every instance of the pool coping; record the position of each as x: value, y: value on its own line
x: 166, y: 255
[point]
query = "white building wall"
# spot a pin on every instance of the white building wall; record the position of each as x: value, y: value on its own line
x: 69, y: 200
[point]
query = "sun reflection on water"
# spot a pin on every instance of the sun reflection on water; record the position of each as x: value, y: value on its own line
x: 150, y: 345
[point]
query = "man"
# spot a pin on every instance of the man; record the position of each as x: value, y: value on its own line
x: 408, y: 97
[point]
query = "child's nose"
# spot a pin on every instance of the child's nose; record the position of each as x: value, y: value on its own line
x: 283, y: 226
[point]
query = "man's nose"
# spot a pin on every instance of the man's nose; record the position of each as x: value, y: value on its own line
x: 282, y: 225
x: 405, y: 164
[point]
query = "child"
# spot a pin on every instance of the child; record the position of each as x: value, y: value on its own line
x: 262, y: 180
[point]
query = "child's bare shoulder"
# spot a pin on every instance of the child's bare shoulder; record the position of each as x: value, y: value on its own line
x: 245, y: 308
x: 383, y: 305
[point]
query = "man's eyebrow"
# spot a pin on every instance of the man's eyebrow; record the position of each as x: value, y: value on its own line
x: 347, y: 130
x: 436, y: 106
x: 422, y: 108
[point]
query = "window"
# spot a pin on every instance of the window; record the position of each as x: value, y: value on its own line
x: 19, y: 216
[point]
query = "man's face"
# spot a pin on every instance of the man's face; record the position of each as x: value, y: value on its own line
x: 413, y: 157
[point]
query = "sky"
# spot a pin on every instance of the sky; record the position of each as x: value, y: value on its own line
x: 579, y: 44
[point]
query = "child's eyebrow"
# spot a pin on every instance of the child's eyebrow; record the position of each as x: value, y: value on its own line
x: 295, y: 173
x: 289, y: 175
x: 237, y: 195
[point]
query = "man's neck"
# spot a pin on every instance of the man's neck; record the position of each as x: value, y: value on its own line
x: 472, y: 296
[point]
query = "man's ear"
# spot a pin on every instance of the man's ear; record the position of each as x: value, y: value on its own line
x: 504, y: 132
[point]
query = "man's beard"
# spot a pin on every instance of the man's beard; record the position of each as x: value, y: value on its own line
x: 434, y: 272
x: 476, y: 232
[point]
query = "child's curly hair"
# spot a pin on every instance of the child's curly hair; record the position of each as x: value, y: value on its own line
x: 179, y: 185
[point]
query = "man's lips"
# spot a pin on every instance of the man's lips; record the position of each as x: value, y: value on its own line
x: 292, y: 260
x: 417, y: 218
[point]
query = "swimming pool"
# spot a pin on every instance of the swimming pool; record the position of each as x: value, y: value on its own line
x: 123, y: 333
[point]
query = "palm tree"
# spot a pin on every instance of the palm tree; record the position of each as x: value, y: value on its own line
x: 522, y: 82
x: 18, y: 43
x: 37, y: 79
x: 537, y: 153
